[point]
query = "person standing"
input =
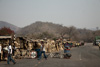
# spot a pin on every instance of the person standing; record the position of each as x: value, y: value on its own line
x: 10, y: 54
x: 99, y: 45
x: 13, y: 50
x: 0, y: 51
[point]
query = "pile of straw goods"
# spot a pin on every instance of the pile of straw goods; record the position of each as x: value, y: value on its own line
x: 17, y: 54
x: 23, y: 52
x: 60, y: 46
x: 48, y: 46
x: 1, y: 55
x: 30, y: 46
x: 16, y: 44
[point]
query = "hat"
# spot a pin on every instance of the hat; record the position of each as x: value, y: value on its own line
x: 42, y: 40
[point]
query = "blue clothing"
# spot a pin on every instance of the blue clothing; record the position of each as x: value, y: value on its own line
x: 67, y: 48
x: 38, y: 53
x: 10, y: 58
x: 66, y: 51
x: 44, y: 54
x: 41, y: 55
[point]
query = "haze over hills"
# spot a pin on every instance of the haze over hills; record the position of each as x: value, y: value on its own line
x: 36, y: 28
x: 11, y: 26
x: 48, y: 29
x: 40, y: 27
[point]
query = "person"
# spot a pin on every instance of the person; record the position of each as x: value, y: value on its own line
x: 71, y: 44
x: 10, y: 54
x: 13, y: 50
x: 37, y: 49
x: 67, y: 54
x: 66, y: 48
x: 99, y: 45
x: 43, y: 50
x: 0, y: 51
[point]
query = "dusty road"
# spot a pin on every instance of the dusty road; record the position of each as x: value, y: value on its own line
x: 84, y: 56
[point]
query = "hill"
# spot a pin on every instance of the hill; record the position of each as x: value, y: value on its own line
x: 40, y: 27
x: 11, y: 26
x: 50, y: 30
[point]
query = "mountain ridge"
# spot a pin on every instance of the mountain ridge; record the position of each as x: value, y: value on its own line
x: 9, y: 25
x: 39, y: 27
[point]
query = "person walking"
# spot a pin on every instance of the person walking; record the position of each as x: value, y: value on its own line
x: 10, y: 54
x: 43, y: 50
x: 37, y: 49
x: 0, y: 52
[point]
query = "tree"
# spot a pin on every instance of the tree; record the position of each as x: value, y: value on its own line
x: 72, y: 31
x: 46, y: 35
x: 6, y: 31
x: 63, y: 31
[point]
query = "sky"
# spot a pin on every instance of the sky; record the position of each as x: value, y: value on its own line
x: 78, y: 13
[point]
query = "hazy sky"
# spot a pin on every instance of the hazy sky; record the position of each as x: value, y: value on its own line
x: 79, y: 13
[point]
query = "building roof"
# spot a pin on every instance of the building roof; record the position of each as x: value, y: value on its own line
x: 5, y: 37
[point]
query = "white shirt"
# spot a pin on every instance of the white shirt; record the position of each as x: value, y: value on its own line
x: 0, y: 49
x: 43, y: 48
x: 9, y: 48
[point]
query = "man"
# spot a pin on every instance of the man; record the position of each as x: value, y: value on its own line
x: 37, y: 49
x: 0, y: 51
x: 10, y: 54
x: 43, y: 50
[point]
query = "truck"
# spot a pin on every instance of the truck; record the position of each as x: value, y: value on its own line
x: 96, y: 40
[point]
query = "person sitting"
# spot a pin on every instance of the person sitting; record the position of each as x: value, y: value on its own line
x: 66, y: 48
